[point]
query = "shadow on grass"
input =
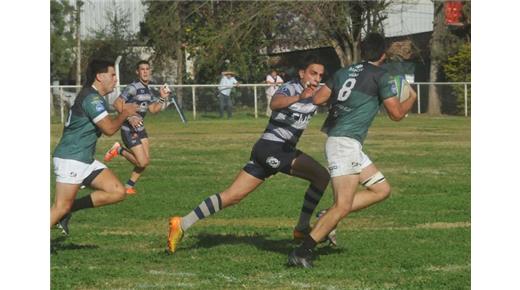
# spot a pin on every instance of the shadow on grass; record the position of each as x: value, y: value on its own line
x: 59, y: 244
x: 282, y: 246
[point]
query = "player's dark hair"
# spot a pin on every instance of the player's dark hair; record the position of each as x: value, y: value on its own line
x: 97, y: 66
x: 373, y: 47
x: 308, y: 60
x: 141, y: 62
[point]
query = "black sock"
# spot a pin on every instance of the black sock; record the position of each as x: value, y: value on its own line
x: 82, y: 203
x: 306, y: 247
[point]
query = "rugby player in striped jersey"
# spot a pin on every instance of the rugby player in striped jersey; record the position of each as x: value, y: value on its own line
x: 274, y: 152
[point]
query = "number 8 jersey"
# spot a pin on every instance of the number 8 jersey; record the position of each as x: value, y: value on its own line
x: 357, y: 93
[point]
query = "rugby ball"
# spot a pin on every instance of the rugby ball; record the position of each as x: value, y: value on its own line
x: 402, y: 88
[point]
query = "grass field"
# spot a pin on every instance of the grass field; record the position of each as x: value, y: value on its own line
x: 417, y: 239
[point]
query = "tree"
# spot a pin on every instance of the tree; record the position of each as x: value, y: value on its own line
x: 443, y: 44
x: 62, y: 40
x: 458, y: 69
x: 244, y: 32
x: 340, y: 24
x: 211, y: 32
x: 111, y: 41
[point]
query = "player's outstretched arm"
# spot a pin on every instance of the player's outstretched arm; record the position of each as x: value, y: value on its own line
x: 397, y: 111
x: 322, y: 95
x: 280, y: 101
x: 110, y: 126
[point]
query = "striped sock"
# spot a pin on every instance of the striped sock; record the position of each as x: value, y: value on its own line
x: 311, y: 200
x: 208, y: 207
x: 130, y: 183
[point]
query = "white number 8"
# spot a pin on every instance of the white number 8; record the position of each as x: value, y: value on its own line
x: 346, y: 90
x: 67, y: 123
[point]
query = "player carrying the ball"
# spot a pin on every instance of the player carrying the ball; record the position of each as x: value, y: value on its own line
x: 354, y: 94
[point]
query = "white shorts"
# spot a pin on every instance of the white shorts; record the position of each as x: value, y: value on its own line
x: 345, y: 156
x: 73, y: 171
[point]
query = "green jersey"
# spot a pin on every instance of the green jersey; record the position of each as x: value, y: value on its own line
x: 357, y: 93
x: 80, y: 134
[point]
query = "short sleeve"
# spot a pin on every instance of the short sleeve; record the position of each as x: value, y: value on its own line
x: 285, y: 90
x: 129, y: 92
x: 94, y: 107
x: 387, y: 86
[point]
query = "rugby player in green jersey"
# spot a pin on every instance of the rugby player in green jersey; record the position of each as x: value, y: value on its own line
x: 354, y: 95
x: 73, y: 158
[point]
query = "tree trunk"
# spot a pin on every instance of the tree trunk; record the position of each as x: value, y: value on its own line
x: 434, y: 103
x: 340, y: 53
x: 78, y: 43
x: 179, y: 53
x: 356, y: 51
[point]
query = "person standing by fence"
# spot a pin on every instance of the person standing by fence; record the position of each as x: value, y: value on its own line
x: 227, y: 82
x: 274, y: 81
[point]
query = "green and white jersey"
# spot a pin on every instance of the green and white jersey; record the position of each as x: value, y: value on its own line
x: 80, y: 134
x: 357, y: 93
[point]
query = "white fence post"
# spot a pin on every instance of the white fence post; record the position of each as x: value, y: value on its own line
x: 465, y: 100
x: 256, y: 105
x: 62, y: 112
x: 418, y: 99
x: 194, y: 102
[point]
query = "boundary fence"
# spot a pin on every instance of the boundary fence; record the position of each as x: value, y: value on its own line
x: 200, y: 97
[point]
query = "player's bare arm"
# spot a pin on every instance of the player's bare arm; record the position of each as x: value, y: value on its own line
x: 164, y: 93
x: 397, y: 111
x: 134, y: 120
x: 118, y: 104
x: 280, y: 101
x: 110, y: 126
x: 322, y: 95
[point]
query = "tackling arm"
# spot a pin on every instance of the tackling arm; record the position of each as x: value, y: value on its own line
x: 322, y: 95
x: 280, y: 101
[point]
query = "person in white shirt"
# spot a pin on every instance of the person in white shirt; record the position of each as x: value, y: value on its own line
x: 227, y: 82
x: 274, y: 80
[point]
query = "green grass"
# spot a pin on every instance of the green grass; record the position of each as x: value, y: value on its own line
x: 417, y: 239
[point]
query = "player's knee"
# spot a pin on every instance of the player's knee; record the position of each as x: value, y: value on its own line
x: 143, y: 163
x: 385, y: 191
x: 119, y: 192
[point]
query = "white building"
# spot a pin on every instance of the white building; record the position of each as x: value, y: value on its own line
x: 94, y: 14
x: 409, y: 17
x: 404, y: 16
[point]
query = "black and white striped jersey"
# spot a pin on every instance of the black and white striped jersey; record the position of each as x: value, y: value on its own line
x: 140, y: 94
x: 288, y: 124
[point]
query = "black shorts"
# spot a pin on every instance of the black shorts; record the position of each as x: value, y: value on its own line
x: 133, y: 138
x: 270, y: 157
